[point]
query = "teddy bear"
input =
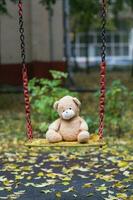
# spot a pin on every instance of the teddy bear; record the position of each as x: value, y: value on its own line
x: 69, y: 126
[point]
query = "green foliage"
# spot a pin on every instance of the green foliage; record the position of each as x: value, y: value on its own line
x: 48, y: 3
x: 44, y: 93
x: 3, y: 8
x: 121, y: 5
x: 118, y: 115
x: 116, y: 106
x: 3, y: 4
x: 83, y: 14
x: 92, y: 122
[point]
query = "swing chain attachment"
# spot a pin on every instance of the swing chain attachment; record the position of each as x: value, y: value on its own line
x: 102, y: 71
x: 24, y: 72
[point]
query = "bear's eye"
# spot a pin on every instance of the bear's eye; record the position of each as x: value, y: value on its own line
x: 70, y: 108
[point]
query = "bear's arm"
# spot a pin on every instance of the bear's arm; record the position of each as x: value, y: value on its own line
x: 83, y: 125
x: 55, y: 125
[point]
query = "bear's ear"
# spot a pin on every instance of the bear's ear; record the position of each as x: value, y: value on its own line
x: 78, y: 103
x: 56, y: 105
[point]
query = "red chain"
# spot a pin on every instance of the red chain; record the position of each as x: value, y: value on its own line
x: 27, y: 102
x: 24, y: 73
x: 20, y: 7
x: 102, y: 72
x: 102, y: 99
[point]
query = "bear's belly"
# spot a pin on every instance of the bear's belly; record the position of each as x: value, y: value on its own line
x: 69, y: 130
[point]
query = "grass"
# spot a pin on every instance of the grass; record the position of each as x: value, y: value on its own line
x: 92, y: 80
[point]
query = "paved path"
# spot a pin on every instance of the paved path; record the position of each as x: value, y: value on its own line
x: 59, y: 174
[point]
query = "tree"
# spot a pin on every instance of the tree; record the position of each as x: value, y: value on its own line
x: 48, y: 3
x: 3, y: 4
x: 121, y: 5
x: 83, y: 15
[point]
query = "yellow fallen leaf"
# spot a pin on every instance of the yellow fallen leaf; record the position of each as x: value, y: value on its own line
x: 70, y: 189
x: 122, y: 164
x: 65, y: 183
x: 111, y: 197
x: 19, y: 177
x: 7, y: 183
x: 46, y: 191
x: 29, y: 177
x: 118, y: 185
x: 94, y: 137
x: 90, y: 194
x: 54, y: 158
x: 8, y: 188
x: 122, y: 196
x: 126, y: 173
x: 66, y: 179
x: 27, y: 168
x: 20, y: 192
x: 102, y: 188
x: 40, y: 174
x: 58, y: 194
x: 87, y: 185
x: 72, y: 157
x: 108, y: 178
x: 82, y: 169
x: 51, y: 175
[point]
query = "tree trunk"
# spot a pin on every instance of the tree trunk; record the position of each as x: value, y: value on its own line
x: 67, y: 43
x: 0, y: 40
x: 132, y: 65
x: 87, y: 56
x: 50, y: 20
x: 74, y: 52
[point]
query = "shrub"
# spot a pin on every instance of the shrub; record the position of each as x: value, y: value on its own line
x: 44, y: 93
x: 116, y: 107
x: 92, y: 122
x: 118, y: 114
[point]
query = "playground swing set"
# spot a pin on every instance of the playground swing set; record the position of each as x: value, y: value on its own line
x: 41, y: 142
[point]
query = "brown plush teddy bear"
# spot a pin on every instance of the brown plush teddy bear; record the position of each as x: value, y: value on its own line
x: 70, y: 126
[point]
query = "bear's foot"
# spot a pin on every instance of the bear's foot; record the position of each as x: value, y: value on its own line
x: 52, y: 136
x: 83, y: 137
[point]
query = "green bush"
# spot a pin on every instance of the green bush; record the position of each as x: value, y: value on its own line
x: 118, y: 114
x: 92, y: 122
x: 116, y: 107
x: 44, y: 93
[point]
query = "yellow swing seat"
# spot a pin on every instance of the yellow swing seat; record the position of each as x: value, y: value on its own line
x: 42, y: 142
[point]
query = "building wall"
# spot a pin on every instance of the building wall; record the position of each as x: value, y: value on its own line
x: 36, y: 33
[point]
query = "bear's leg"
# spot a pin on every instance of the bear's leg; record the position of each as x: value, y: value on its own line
x: 52, y: 136
x: 83, y: 136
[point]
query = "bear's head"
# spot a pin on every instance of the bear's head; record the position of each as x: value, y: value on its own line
x: 67, y: 107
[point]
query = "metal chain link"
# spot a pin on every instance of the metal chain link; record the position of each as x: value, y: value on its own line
x: 102, y: 71
x: 103, y: 32
x: 24, y: 72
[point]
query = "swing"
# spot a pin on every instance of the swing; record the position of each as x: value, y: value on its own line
x: 95, y: 140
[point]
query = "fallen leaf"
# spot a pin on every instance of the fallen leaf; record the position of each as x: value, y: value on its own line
x: 58, y: 194
x: 65, y: 183
x: 87, y: 185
